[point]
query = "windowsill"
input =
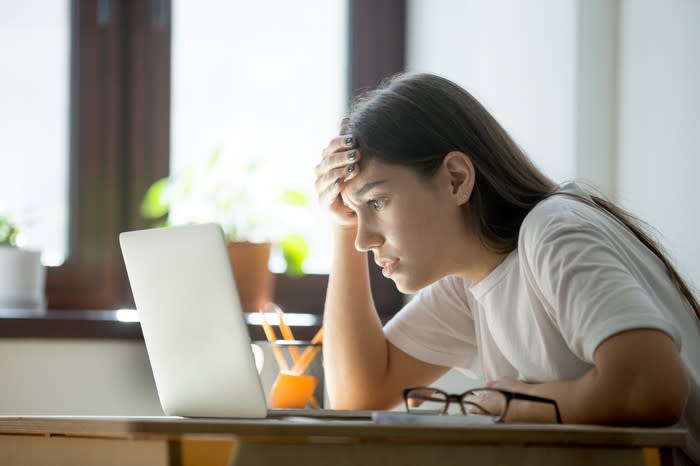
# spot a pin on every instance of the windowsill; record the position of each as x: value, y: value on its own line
x: 109, y: 325
x: 67, y: 324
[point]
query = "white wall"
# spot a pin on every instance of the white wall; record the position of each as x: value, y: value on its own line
x: 596, y: 94
x: 604, y: 91
x: 659, y: 122
x: 516, y: 58
x: 76, y: 377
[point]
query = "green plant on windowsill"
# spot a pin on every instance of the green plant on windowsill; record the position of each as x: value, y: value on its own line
x: 238, y: 195
x: 22, y: 275
x: 8, y: 232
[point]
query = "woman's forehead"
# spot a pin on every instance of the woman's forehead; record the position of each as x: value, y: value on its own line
x: 375, y: 174
x: 371, y: 171
x: 374, y: 168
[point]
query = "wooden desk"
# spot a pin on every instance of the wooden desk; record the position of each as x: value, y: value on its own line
x: 176, y: 441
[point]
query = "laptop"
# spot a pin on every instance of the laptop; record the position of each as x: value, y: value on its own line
x: 194, y: 328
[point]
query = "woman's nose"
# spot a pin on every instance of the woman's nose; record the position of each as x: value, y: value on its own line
x: 367, y: 237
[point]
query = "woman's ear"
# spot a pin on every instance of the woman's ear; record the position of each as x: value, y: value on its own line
x: 460, y: 171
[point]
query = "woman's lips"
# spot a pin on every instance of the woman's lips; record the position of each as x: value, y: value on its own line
x: 388, y: 266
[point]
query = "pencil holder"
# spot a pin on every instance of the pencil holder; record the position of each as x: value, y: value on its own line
x: 293, y: 374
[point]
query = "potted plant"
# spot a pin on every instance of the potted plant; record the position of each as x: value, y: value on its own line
x: 258, y: 217
x: 22, y: 275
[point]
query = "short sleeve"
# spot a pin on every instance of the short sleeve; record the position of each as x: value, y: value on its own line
x: 584, y: 270
x: 437, y: 327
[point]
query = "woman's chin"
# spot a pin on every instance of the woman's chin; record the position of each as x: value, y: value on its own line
x: 411, y: 284
x: 406, y: 286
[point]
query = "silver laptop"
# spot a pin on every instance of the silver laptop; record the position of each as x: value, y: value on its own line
x: 193, y: 325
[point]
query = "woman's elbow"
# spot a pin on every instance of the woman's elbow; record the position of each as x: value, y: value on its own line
x: 663, y: 401
x: 667, y: 409
x: 660, y: 413
x: 643, y: 376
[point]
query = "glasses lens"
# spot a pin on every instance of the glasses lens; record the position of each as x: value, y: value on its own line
x: 487, y: 403
x: 425, y: 401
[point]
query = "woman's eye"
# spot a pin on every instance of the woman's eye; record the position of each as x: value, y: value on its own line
x: 376, y: 204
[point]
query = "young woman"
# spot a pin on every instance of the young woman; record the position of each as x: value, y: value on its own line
x: 539, y: 288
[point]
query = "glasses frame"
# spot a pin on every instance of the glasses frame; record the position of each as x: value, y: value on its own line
x: 459, y: 399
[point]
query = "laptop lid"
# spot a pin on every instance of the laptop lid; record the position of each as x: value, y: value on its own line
x: 192, y: 322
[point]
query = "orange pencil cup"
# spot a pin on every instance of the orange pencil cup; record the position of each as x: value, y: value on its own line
x: 299, y: 382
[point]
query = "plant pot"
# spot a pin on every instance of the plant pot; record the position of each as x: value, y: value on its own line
x: 254, y: 281
x: 22, y: 278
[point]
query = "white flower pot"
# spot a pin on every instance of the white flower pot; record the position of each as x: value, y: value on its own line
x: 22, y: 278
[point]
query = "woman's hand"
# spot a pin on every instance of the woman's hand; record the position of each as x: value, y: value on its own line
x: 519, y: 410
x: 338, y: 166
x: 509, y: 383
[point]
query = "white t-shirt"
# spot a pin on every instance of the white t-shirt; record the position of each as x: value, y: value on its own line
x: 577, y: 277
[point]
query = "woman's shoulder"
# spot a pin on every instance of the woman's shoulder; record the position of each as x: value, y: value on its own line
x: 559, y: 206
x: 571, y: 208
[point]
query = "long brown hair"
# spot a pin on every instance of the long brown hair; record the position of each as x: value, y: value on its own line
x: 414, y: 120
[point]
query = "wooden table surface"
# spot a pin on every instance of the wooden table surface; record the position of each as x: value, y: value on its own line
x: 306, y: 433
x: 498, y: 433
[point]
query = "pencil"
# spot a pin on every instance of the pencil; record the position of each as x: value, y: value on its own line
x: 286, y: 332
x: 272, y: 339
x: 288, y: 335
x: 309, y: 353
x: 307, y: 357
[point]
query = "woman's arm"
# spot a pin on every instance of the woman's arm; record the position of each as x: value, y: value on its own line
x: 362, y: 369
x: 354, y: 350
x: 638, y: 379
x: 587, y: 268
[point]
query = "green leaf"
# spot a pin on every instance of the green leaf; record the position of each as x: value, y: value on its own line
x: 295, y: 249
x: 232, y: 234
x: 295, y: 198
x: 214, y: 158
x: 8, y: 232
x: 187, y: 182
x: 153, y: 205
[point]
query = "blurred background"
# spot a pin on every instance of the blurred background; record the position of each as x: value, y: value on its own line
x: 101, y: 98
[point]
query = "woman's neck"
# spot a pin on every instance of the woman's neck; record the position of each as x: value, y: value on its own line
x: 488, y: 263
x: 474, y: 261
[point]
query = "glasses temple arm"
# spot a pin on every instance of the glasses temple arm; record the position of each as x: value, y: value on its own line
x: 525, y: 397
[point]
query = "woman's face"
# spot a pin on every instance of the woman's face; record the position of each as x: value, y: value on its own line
x: 412, y: 226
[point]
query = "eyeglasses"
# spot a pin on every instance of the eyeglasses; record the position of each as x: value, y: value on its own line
x: 491, y: 404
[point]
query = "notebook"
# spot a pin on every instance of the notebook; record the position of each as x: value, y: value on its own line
x: 193, y: 325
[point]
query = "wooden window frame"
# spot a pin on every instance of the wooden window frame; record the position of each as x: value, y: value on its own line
x: 120, y: 136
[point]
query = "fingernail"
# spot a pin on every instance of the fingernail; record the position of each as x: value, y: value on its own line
x: 352, y: 155
x: 348, y: 140
x: 351, y: 168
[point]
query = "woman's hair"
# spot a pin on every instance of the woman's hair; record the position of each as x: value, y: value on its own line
x: 414, y: 120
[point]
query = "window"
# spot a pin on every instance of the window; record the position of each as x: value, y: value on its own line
x: 118, y: 130
x: 264, y: 81
x: 119, y: 106
x: 34, y: 175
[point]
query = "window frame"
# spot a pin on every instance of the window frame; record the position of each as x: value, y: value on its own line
x: 119, y: 141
